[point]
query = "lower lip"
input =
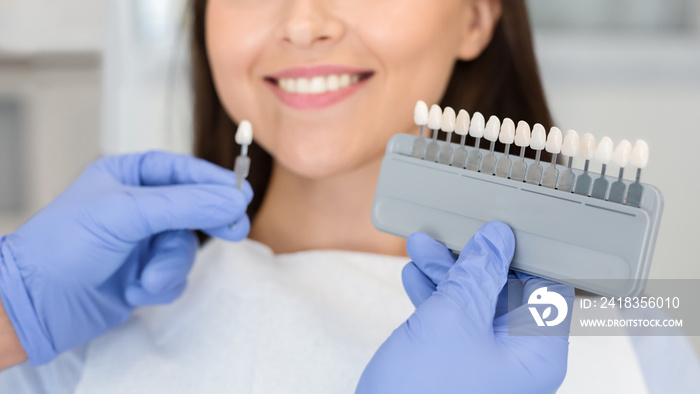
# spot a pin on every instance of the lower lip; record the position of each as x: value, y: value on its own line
x: 315, y: 101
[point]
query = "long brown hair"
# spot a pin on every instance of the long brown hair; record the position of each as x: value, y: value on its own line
x: 503, y: 81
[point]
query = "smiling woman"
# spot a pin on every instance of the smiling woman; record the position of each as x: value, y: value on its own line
x: 326, y: 84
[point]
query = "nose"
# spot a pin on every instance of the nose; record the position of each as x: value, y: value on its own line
x: 308, y: 23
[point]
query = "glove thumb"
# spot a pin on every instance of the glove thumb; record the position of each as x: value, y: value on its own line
x: 476, y: 279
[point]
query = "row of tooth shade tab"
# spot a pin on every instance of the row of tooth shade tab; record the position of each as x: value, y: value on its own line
x: 447, y: 120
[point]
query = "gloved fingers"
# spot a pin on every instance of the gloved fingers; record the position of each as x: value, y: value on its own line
x: 430, y: 256
x: 157, y: 168
x: 234, y: 232
x: 477, y: 278
x: 418, y: 286
x: 136, y: 296
x: 171, y: 257
x: 146, y: 211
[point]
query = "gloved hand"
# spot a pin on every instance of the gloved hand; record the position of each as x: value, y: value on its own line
x: 457, y: 340
x: 115, y: 239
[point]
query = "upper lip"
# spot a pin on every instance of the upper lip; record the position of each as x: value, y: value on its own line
x: 317, y: 71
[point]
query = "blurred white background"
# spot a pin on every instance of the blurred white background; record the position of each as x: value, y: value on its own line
x: 83, y: 77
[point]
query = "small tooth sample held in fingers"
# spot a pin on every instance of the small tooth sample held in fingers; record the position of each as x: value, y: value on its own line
x: 506, y: 137
x: 569, y: 148
x: 459, y: 158
x: 435, y: 124
x: 522, y: 139
x: 603, y: 153
x: 553, y: 146
x: 538, y: 140
x: 243, y: 137
x: 639, y: 158
x: 476, y: 131
x: 420, y: 117
x: 449, y: 118
x: 586, y: 149
x: 491, y: 132
x: 620, y: 158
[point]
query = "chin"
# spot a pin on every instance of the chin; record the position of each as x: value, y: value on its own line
x: 315, y: 165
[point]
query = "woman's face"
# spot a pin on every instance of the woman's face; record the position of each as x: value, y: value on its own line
x: 326, y: 83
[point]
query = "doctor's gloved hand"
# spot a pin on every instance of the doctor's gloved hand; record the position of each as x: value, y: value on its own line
x: 457, y: 340
x: 116, y: 239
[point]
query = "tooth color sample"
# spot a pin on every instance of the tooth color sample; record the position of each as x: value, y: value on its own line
x: 244, y: 134
x: 507, y: 135
x: 640, y: 154
x: 493, y: 127
x: 476, y: 129
x: 621, y: 155
x: 604, y: 150
x: 554, y: 142
x: 420, y: 114
x: 448, y: 120
x: 586, y: 147
x: 570, y: 145
x: 462, y: 126
x: 538, y: 138
x: 522, y: 134
x: 435, y: 117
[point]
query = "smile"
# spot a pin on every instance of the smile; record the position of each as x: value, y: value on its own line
x: 316, y: 87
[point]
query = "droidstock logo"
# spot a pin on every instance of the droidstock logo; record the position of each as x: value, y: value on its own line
x: 543, y: 297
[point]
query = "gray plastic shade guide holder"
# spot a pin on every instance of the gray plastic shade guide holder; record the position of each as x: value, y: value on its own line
x: 562, y: 236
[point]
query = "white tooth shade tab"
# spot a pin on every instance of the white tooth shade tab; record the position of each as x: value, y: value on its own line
x: 435, y: 117
x: 493, y: 127
x: 538, y: 139
x: 448, y: 120
x: 570, y: 145
x: 604, y: 150
x: 522, y: 134
x: 621, y: 156
x: 420, y: 114
x: 640, y: 154
x: 462, y: 126
x: 476, y: 129
x: 586, y: 147
x: 244, y: 134
x: 507, y: 135
x: 554, y: 142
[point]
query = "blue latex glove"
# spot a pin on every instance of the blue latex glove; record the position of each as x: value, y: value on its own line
x: 115, y: 239
x: 457, y: 339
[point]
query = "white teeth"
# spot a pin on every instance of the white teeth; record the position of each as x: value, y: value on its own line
x: 553, y: 144
x: 462, y: 126
x: 244, y: 134
x: 317, y: 85
x: 522, y: 134
x: 538, y: 139
x: 570, y: 146
x: 303, y: 86
x: 621, y: 155
x: 435, y: 117
x: 586, y: 148
x: 448, y: 120
x: 333, y: 83
x: 507, y: 131
x: 420, y: 114
x: 640, y: 154
x: 476, y: 129
x: 493, y: 127
x: 604, y: 150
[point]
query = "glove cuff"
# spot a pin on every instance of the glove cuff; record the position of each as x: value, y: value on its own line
x: 19, y: 308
